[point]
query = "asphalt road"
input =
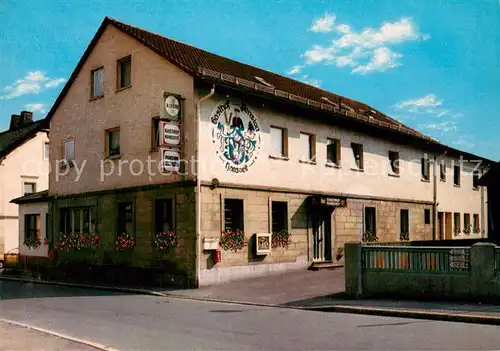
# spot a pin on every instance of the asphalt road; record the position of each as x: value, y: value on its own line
x: 133, y: 322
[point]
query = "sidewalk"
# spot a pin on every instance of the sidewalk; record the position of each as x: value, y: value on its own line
x: 321, y: 290
x: 14, y: 337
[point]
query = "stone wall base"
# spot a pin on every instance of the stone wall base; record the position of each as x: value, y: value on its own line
x: 226, y: 274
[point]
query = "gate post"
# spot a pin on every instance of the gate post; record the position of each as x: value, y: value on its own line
x: 353, y: 269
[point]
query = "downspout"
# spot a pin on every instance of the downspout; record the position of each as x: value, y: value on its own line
x: 434, y: 202
x: 198, y: 185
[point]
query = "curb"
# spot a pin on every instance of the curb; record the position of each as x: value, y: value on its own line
x: 59, y: 335
x: 415, y: 314
x: 385, y: 312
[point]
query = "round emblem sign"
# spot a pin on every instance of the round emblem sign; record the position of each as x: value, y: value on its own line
x: 172, y: 106
x: 236, y: 134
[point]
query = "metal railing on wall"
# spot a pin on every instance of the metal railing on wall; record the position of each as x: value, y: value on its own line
x: 408, y: 259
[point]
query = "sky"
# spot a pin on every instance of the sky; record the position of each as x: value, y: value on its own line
x: 433, y: 65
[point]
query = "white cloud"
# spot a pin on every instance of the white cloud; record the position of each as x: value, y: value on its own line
x: 52, y: 83
x: 465, y: 141
x: 295, y: 69
x: 32, y: 84
x: 37, y: 107
x: 368, y: 50
x: 323, y: 24
x: 443, y: 127
x: 314, y: 82
x: 429, y: 100
x: 383, y: 58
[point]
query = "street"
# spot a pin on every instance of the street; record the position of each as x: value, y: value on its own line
x: 134, y: 322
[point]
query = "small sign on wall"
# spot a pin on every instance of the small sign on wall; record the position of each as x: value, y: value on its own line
x: 170, y: 133
x: 171, y: 107
x: 262, y: 243
x: 171, y: 160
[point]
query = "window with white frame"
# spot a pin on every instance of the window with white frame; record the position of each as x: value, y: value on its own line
x: 164, y: 215
x: 29, y: 188
x: 279, y: 216
x: 113, y: 142
x: 278, y: 142
x: 77, y: 220
x: 69, y: 150
x: 46, y: 150
x: 97, y: 83
x: 307, y: 147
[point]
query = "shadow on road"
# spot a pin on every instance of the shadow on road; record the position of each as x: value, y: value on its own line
x: 10, y: 290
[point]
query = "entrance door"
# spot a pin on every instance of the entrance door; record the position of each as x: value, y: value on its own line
x: 322, y: 233
x: 447, y: 221
x: 441, y: 225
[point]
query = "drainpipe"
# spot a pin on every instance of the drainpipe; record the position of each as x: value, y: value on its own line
x: 435, y: 204
x: 198, y: 185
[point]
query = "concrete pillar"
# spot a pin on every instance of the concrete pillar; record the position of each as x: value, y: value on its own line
x: 482, y: 260
x: 352, y: 268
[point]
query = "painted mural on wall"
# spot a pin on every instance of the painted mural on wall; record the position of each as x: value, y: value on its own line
x: 236, y: 134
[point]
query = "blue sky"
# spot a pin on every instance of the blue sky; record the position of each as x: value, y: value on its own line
x: 433, y: 65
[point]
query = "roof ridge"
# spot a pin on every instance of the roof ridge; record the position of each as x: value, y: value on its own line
x: 22, y: 127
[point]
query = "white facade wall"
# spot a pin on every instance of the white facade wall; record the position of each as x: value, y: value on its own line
x: 375, y: 181
x: 39, y: 208
x: 24, y: 164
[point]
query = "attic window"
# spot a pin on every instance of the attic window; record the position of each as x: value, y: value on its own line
x: 260, y: 79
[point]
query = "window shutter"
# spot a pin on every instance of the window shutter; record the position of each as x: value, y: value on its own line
x: 337, y: 142
x: 285, y: 142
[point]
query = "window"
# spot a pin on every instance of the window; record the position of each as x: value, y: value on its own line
x: 394, y: 161
x: 333, y: 151
x: 427, y: 216
x: 77, y: 220
x: 32, y: 226
x: 425, y: 168
x: 69, y: 150
x: 46, y: 149
x: 113, y: 142
x: 125, y: 218
x: 357, y: 150
x: 476, y: 223
x: 475, y: 180
x: 233, y: 215
x: 29, y: 188
x: 164, y: 215
x: 308, y: 146
x: 97, y: 83
x: 456, y: 222
x: 456, y: 175
x: 124, y: 73
x: 279, y: 216
x: 405, y: 221
x: 442, y: 171
x: 467, y: 225
x: 370, y: 220
x: 155, y: 133
x: 279, y: 142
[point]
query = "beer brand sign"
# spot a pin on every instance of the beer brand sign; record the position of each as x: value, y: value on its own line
x: 236, y: 134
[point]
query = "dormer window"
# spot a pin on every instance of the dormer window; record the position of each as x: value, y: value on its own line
x: 262, y: 80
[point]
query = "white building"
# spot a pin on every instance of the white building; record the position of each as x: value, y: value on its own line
x: 24, y: 169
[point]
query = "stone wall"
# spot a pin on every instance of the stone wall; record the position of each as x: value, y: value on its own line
x: 256, y: 220
x: 180, y: 262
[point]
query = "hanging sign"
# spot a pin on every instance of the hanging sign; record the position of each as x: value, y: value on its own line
x: 171, y: 160
x: 170, y: 133
x: 171, y: 106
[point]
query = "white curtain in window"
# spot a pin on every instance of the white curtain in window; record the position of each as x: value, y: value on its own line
x: 99, y: 82
x: 276, y: 142
x: 305, y: 146
x: 69, y: 150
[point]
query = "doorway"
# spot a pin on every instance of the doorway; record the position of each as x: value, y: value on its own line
x: 447, y: 226
x: 322, y: 233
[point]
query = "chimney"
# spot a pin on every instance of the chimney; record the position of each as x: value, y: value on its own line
x: 18, y: 121
x: 15, y: 122
x: 26, y: 117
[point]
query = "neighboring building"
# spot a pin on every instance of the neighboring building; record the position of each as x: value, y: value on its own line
x: 275, y: 156
x: 24, y: 169
x: 33, y: 221
x: 492, y: 181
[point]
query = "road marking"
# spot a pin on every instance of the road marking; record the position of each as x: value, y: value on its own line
x: 63, y: 336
